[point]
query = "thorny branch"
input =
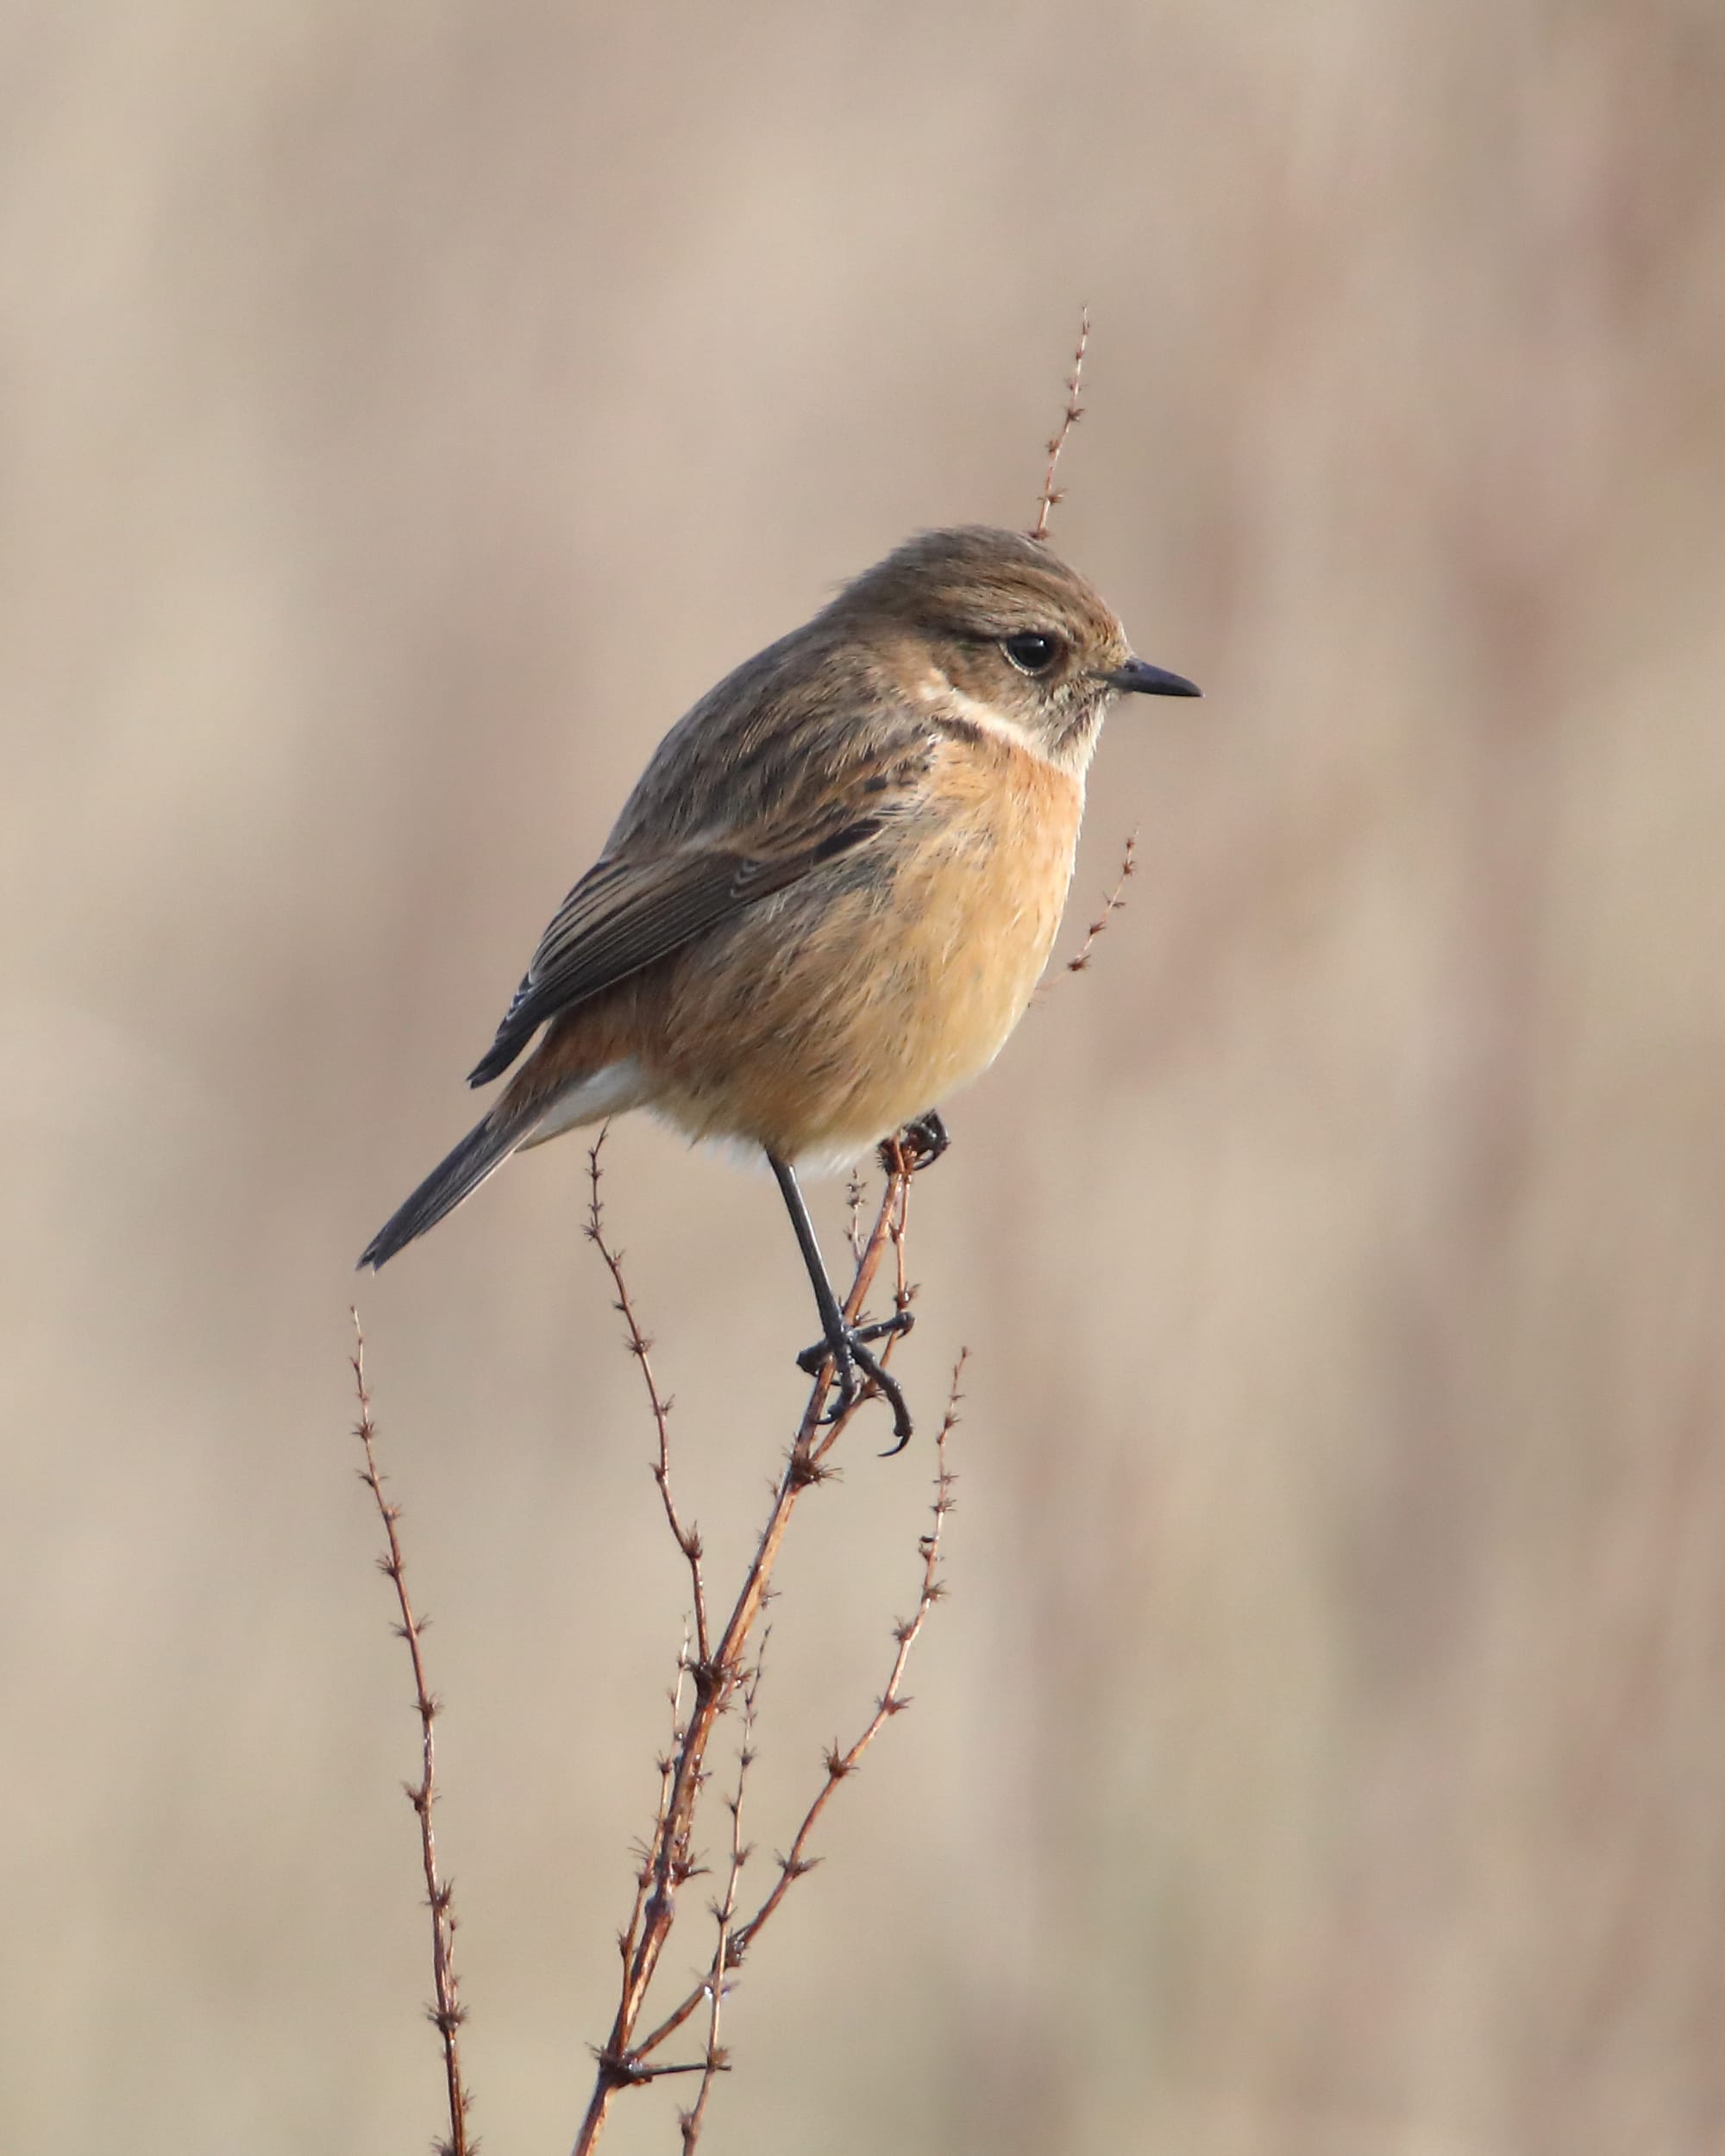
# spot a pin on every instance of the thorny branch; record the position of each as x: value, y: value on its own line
x: 718, y: 1675
x: 688, y: 1538
x: 717, y: 2061
x: 1116, y: 898
x: 891, y: 1701
x: 1068, y: 419
x: 446, y: 2014
x: 644, y: 1876
x: 1111, y: 905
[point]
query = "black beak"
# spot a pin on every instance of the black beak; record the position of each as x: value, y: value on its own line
x: 1138, y: 678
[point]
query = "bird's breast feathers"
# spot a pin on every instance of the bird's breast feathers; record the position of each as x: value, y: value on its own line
x: 835, y: 1011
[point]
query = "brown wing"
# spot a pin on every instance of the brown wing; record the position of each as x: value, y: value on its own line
x: 626, y: 913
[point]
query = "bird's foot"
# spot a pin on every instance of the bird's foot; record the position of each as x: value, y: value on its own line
x: 855, y: 1336
x: 854, y: 1366
x: 919, y: 1145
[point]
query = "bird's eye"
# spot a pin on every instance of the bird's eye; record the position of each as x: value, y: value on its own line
x: 1034, y: 652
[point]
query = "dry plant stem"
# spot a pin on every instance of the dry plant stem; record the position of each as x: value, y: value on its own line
x: 1111, y: 905
x: 643, y: 1877
x: 446, y: 2013
x: 891, y: 1701
x: 903, y: 1292
x: 840, y: 1765
x: 624, y: 2060
x: 688, y: 1538
x: 1068, y: 419
x: 716, y: 2061
x: 856, y: 1194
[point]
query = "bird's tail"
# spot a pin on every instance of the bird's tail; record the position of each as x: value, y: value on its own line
x: 486, y: 1147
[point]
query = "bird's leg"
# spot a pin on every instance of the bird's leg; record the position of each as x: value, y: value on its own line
x: 845, y: 1345
x: 920, y: 1143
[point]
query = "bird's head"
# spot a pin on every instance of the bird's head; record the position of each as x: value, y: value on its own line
x: 993, y: 627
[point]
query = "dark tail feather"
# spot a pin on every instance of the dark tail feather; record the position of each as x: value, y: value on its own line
x: 486, y: 1146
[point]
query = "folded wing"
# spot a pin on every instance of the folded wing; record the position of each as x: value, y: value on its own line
x: 626, y: 913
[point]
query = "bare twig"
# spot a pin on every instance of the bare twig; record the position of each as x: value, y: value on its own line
x: 1111, y: 905
x: 793, y: 1865
x: 717, y: 2061
x: 643, y: 1877
x: 688, y: 1538
x: 892, y: 1702
x: 626, y: 2058
x: 1068, y: 419
x: 856, y: 1193
x: 446, y: 2014
x: 904, y: 1289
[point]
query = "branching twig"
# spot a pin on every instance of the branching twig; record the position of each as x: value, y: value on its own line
x: 1111, y: 905
x: 626, y: 2058
x: 446, y: 2014
x: 1068, y: 419
x: 793, y: 1865
x: 903, y: 1291
x: 892, y: 1702
x: 643, y: 1877
x: 688, y: 1538
x: 856, y: 1193
x: 717, y: 2061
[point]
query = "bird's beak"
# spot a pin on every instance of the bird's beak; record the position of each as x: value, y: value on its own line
x: 1138, y: 678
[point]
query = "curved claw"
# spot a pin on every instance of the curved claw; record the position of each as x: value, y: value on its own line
x: 893, y: 1451
x: 848, y: 1355
x: 888, y: 1386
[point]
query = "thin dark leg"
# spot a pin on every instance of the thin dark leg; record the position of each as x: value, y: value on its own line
x: 845, y: 1343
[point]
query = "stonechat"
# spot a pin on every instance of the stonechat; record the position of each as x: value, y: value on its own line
x: 831, y: 893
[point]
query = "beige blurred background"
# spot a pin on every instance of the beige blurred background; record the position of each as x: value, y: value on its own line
x: 408, y: 409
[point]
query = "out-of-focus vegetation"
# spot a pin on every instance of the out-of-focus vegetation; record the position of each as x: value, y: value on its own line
x: 407, y: 412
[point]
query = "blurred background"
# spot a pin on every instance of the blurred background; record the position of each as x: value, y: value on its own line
x: 408, y: 410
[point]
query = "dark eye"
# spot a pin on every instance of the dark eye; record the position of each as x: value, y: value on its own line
x: 1033, y: 652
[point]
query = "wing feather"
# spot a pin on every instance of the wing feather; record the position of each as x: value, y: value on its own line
x: 623, y: 914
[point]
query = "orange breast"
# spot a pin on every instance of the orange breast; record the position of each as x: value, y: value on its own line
x: 834, y: 1012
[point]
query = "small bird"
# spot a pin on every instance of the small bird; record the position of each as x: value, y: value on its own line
x: 831, y: 894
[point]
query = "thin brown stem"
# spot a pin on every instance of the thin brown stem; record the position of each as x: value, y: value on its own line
x: 688, y: 1538
x: 643, y: 1877
x: 624, y: 2060
x: 891, y: 1701
x: 840, y: 1765
x: 1111, y: 905
x: 446, y: 2014
x: 903, y: 1292
x: 716, y: 2062
x: 856, y: 1194
x: 1068, y: 419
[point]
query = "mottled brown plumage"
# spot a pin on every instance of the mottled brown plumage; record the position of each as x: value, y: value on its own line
x: 831, y: 893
